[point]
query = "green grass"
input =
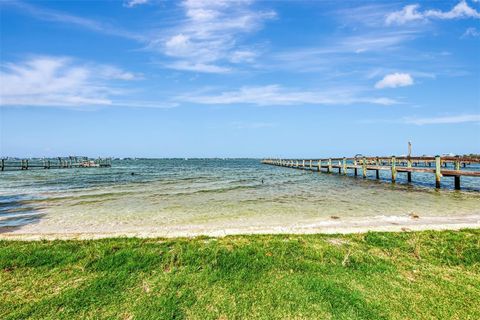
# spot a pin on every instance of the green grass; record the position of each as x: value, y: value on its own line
x: 414, y: 275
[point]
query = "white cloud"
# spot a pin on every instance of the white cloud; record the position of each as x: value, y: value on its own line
x: 461, y: 10
x: 278, y: 95
x: 133, y: 3
x: 444, y: 120
x: 410, y: 13
x: 407, y: 14
x: 58, y: 81
x: 207, y: 40
x: 395, y: 80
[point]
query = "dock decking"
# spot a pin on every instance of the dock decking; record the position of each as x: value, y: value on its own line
x: 54, y: 163
x: 440, y: 166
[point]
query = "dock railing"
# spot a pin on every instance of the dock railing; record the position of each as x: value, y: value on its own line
x: 440, y: 166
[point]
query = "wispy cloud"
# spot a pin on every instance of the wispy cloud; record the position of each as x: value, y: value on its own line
x: 378, y: 41
x: 207, y: 40
x: 62, y: 17
x: 411, y: 13
x: 276, y: 95
x: 395, y: 80
x: 444, y: 119
x: 59, y: 81
x: 134, y: 3
x: 471, y: 32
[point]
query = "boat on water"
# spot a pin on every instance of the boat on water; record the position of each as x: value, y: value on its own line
x: 88, y: 164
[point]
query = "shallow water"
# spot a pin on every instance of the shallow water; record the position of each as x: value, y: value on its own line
x: 164, y: 193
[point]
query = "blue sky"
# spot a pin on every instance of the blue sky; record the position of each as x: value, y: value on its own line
x: 151, y: 78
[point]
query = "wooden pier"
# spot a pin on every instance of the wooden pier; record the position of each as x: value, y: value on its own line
x: 8, y: 164
x: 440, y: 166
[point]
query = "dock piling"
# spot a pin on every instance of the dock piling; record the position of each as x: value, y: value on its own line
x: 438, y: 171
x: 364, y: 167
x: 409, y: 173
x: 394, y: 170
x: 457, y: 177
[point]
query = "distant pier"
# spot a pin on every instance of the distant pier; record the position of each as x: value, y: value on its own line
x: 9, y: 164
x: 440, y: 166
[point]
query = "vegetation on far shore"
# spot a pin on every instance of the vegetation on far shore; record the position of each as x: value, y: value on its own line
x: 409, y: 275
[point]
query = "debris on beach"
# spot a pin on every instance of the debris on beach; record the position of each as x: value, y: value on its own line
x: 413, y: 215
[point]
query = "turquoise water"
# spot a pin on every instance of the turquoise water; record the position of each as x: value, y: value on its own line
x: 212, y: 193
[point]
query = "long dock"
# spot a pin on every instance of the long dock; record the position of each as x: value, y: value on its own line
x: 8, y: 164
x: 440, y: 166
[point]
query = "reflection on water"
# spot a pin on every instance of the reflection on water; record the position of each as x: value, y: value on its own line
x: 242, y: 191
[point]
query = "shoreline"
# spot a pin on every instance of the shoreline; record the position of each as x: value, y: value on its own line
x: 319, y: 226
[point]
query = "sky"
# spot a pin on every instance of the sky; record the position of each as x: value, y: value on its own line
x: 215, y: 78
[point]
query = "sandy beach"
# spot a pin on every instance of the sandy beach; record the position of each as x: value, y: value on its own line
x: 327, y: 226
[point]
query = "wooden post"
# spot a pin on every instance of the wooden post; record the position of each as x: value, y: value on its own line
x: 3, y: 164
x: 409, y: 165
x: 297, y: 165
x: 310, y: 164
x: 303, y: 164
x: 319, y: 165
x: 344, y: 166
x: 339, y: 166
x: 329, y: 170
x: 377, y: 172
x: 438, y: 171
x: 364, y: 167
x: 394, y: 170
x: 457, y: 178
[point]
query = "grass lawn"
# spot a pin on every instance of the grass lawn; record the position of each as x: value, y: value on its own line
x: 410, y: 275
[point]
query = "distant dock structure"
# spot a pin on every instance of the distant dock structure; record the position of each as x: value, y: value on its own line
x: 10, y: 164
x: 440, y: 166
